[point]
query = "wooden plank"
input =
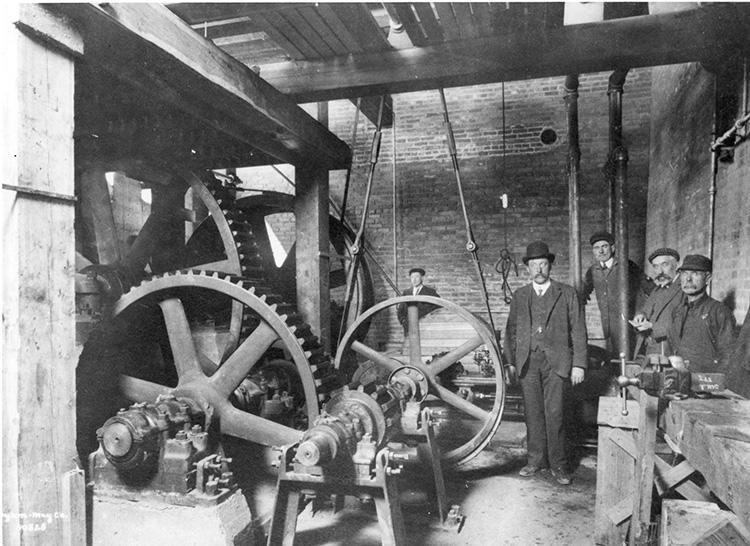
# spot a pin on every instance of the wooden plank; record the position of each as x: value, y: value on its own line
x: 715, y: 444
x: 640, y: 519
x: 275, y: 28
x: 38, y: 350
x: 691, y: 523
x: 724, y: 533
x: 37, y: 21
x: 610, y: 413
x: 615, y: 471
x: 362, y: 26
x: 429, y: 22
x: 652, y: 40
x: 462, y: 11
x: 313, y: 18
x: 155, y: 51
x: 447, y: 21
x: 340, y: 30
x: 74, y: 508
x: 196, y: 13
x: 310, y: 35
x: 480, y: 12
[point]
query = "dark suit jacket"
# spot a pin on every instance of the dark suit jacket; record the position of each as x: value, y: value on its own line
x: 565, y: 331
x: 658, y: 310
x: 423, y: 308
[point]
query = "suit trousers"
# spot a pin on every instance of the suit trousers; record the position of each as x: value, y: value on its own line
x: 543, y: 395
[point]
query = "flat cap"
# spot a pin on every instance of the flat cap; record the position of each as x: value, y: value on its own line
x: 696, y: 262
x: 417, y: 270
x: 602, y: 236
x: 538, y: 249
x: 664, y: 252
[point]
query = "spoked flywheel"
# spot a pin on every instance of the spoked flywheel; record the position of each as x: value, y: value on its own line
x: 170, y: 335
x: 466, y: 383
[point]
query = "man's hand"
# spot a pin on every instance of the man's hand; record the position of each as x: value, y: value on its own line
x: 511, y: 376
x: 640, y: 323
x: 577, y: 375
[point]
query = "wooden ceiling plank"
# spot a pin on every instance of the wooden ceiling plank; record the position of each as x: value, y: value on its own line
x: 651, y: 40
x: 429, y: 22
x: 287, y: 36
x: 303, y: 27
x: 410, y: 23
x: 311, y: 15
x: 229, y: 29
x: 342, y: 33
x: 448, y: 21
x: 200, y: 12
x: 362, y: 25
x: 480, y: 12
x: 462, y: 12
x: 151, y: 49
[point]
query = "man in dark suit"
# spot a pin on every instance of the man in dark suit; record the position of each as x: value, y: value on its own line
x: 603, y: 278
x: 416, y: 276
x: 545, y: 342
x: 652, y: 320
x: 702, y: 334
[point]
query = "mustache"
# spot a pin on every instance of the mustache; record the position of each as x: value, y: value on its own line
x: 662, y: 276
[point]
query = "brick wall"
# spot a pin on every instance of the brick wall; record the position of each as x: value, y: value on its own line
x: 429, y: 225
x: 680, y: 174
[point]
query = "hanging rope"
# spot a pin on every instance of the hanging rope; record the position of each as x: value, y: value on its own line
x: 356, y: 249
x: 471, y: 245
x: 506, y: 263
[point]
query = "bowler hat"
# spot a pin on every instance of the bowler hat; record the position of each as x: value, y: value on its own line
x: 538, y: 249
x: 664, y: 252
x: 696, y: 262
x: 602, y: 236
x: 416, y: 270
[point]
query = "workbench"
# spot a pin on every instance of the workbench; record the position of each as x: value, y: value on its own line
x: 714, y: 437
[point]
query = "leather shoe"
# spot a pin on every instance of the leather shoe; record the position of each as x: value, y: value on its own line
x: 562, y: 476
x: 529, y: 470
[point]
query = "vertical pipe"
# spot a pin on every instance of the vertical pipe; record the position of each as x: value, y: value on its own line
x: 574, y: 164
x: 614, y: 93
x: 620, y: 156
x: 712, y: 186
x: 395, y: 204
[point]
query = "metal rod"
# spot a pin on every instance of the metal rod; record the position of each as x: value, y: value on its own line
x: 471, y: 245
x: 574, y: 165
x: 356, y: 249
x: 712, y: 185
x: 349, y: 170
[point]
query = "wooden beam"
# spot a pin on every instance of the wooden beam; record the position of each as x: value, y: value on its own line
x: 650, y: 40
x: 150, y: 48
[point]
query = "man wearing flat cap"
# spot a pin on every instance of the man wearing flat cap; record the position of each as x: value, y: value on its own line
x: 653, y: 319
x: 603, y: 279
x: 545, y: 344
x: 416, y: 276
x: 702, y: 333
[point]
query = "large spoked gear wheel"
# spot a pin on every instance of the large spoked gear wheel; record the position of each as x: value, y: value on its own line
x: 170, y: 335
x: 470, y: 396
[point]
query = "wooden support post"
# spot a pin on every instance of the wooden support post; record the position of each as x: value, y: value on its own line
x: 38, y: 355
x: 615, y: 470
x: 313, y: 251
x: 640, y: 520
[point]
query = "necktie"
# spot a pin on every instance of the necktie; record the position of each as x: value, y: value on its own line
x: 604, y: 266
x: 539, y: 292
x: 416, y: 291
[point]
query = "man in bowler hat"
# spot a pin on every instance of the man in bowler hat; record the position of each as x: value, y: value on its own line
x: 702, y: 333
x: 545, y: 342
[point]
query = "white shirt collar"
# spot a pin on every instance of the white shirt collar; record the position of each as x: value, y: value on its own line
x: 543, y: 287
x: 609, y: 263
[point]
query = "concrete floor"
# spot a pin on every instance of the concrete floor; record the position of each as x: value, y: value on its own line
x: 501, y: 508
